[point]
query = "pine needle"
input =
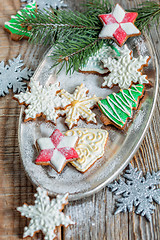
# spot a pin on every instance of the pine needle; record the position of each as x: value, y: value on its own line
x: 74, y: 35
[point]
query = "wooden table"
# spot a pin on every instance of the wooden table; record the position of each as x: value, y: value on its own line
x: 93, y: 215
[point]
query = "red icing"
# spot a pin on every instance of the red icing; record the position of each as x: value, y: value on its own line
x: 46, y: 154
x: 108, y: 18
x: 68, y: 153
x: 56, y: 137
x: 129, y: 17
x: 120, y: 35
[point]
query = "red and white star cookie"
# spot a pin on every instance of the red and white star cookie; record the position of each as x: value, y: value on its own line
x: 119, y: 25
x: 57, y: 150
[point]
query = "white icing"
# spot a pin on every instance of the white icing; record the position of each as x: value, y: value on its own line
x: 129, y: 28
x: 124, y: 71
x: 90, y: 146
x: 45, y: 215
x: 41, y: 100
x: 58, y: 159
x: 118, y: 13
x: 123, y: 50
x: 45, y: 143
x: 79, y: 106
x: 109, y: 29
x: 67, y: 142
x: 94, y: 63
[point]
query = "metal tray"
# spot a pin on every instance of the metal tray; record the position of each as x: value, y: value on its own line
x: 120, y: 147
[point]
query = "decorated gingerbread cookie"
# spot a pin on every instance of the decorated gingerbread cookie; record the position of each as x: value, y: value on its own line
x: 125, y: 71
x: 118, y: 107
x: 78, y: 106
x: 41, y: 101
x: 95, y: 63
x: 57, y: 150
x: 119, y: 25
x: 90, y: 146
x: 45, y: 215
x: 15, y: 29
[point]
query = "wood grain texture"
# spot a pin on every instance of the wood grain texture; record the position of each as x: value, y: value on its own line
x: 93, y: 215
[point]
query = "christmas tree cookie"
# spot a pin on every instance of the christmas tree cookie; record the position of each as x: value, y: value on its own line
x: 14, y: 28
x: 117, y: 107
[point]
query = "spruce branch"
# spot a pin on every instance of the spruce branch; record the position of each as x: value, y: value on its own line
x: 148, y: 14
x: 96, y: 7
x: 74, y: 35
x: 78, y: 56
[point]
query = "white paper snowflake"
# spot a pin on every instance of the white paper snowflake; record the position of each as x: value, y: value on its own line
x: 78, y: 106
x: 46, y: 4
x: 41, y: 100
x: 137, y: 191
x: 45, y: 215
x: 125, y: 70
x: 11, y: 76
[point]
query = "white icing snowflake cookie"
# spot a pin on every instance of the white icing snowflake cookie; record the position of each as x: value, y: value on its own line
x: 57, y: 150
x: 125, y: 71
x: 90, y: 146
x: 46, y: 215
x: 79, y: 106
x: 41, y: 100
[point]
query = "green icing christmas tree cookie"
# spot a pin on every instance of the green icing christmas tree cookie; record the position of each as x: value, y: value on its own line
x: 117, y: 107
x: 16, y: 30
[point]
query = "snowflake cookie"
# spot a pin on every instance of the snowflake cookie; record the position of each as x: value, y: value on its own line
x: 137, y: 191
x: 119, y: 25
x: 95, y: 64
x: 90, y: 146
x: 57, y: 150
x: 11, y: 76
x: 78, y: 106
x: 125, y: 71
x: 41, y: 100
x: 16, y: 30
x: 46, y: 215
x: 118, y: 107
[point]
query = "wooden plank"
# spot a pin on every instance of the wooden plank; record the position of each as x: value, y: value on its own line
x: 15, y: 188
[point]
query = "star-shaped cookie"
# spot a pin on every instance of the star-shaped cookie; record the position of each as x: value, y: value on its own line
x: 119, y: 25
x: 57, y: 150
x: 78, y: 106
x: 45, y: 215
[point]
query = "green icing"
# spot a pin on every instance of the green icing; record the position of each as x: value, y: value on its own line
x: 118, y: 106
x: 16, y: 28
x: 115, y: 49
